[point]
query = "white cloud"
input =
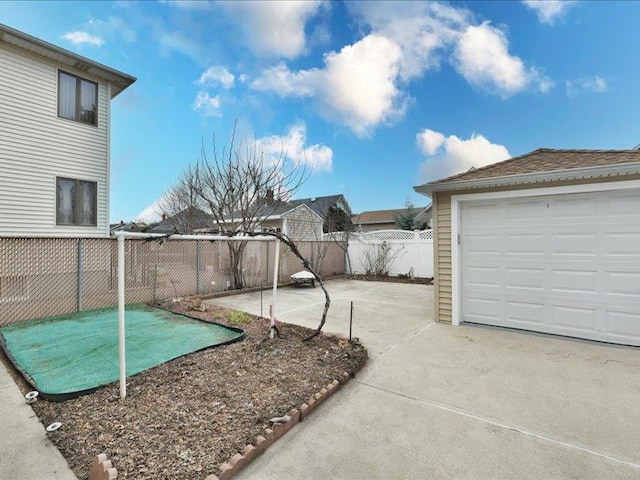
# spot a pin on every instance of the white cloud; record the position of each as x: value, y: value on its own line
x: 207, y: 105
x: 151, y: 214
x: 112, y: 26
x: 548, y: 11
x: 421, y: 30
x: 481, y: 56
x: 357, y: 85
x: 595, y: 84
x: 214, y: 76
x: 364, y: 84
x: 284, y: 82
x: 189, y: 4
x: 317, y: 157
x: 452, y: 155
x: 79, y: 37
x: 273, y: 28
x: 184, y: 42
x: 430, y: 141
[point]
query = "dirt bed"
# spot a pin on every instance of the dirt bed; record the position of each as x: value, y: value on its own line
x: 398, y: 279
x: 185, y: 418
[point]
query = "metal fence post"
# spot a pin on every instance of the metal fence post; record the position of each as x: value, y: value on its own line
x: 197, y: 267
x: 79, y: 292
x: 267, y: 260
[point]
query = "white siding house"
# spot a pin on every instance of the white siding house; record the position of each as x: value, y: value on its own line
x: 54, y: 171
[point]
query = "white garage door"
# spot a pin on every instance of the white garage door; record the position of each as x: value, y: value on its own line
x: 562, y: 264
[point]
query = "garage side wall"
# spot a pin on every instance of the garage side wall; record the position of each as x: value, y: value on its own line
x: 442, y: 255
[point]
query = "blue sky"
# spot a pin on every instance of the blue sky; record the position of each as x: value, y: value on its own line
x: 374, y: 97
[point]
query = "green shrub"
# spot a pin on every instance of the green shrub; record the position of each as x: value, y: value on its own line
x: 236, y: 317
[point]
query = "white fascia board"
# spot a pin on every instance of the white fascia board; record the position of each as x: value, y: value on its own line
x: 278, y: 216
x: 457, y: 200
x: 37, y: 46
x: 537, y: 177
x: 240, y: 220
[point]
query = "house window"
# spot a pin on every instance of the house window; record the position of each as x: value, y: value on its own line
x: 77, y: 98
x: 76, y: 202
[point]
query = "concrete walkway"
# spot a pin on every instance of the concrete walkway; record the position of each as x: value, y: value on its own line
x: 468, y: 402
x: 25, y: 451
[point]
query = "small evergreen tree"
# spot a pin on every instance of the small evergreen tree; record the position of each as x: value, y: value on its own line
x: 407, y: 220
x: 337, y: 220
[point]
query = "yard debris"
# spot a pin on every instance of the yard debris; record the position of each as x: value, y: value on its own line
x: 283, y: 419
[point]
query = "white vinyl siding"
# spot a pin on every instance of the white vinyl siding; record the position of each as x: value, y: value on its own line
x: 36, y: 146
x: 302, y: 223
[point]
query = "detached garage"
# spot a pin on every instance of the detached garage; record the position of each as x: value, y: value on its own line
x: 548, y: 242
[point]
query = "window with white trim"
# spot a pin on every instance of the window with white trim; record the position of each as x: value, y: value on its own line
x: 77, y: 98
x: 76, y: 202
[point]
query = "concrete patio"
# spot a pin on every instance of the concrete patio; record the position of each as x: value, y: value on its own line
x: 437, y: 401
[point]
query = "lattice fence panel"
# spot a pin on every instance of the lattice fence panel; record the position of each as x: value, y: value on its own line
x: 41, y: 277
x: 38, y: 278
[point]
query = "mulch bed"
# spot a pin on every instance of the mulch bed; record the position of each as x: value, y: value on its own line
x: 402, y: 279
x: 184, y: 418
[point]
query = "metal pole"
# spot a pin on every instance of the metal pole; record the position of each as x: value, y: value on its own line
x: 261, y: 291
x: 350, y: 321
x: 267, y: 261
x: 121, y: 330
x: 197, y: 267
x: 80, y: 268
x: 275, y: 289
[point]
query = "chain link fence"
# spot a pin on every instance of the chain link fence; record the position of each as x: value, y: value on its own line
x: 42, y: 277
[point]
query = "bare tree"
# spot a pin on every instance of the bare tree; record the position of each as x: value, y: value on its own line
x: 240, y: 187
x: 181, y: 209
x: 339, y: 229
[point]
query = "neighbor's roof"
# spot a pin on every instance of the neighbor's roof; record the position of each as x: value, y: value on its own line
x: 186, y: 221
x: 319, y: 205
x: 544, y: 164
x: 119, y: 81
x: 371, y: 217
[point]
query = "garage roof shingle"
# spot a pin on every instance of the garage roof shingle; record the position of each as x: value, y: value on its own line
x: 546, y: 160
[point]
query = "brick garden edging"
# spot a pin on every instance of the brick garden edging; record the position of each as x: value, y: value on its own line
x: 102, y: 469
x: 239, y: 460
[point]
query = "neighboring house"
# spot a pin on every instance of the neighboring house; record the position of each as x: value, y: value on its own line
x: 372, y: 220
x: 54, y: 139
x: 300, y: 219
x: 321, y: 205
x: 139, y: 227
x: 189, y: 220
x: 298, y: 222
x: 548, y: 241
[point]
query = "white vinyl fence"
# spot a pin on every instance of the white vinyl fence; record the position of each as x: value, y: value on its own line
x: 405, y: 252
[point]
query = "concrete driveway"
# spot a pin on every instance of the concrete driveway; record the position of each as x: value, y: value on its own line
x: 438, y: 402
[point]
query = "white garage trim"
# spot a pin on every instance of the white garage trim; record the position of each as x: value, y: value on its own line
x: 457, y: 200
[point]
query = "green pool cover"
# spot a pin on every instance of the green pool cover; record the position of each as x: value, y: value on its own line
x: 67, y: 356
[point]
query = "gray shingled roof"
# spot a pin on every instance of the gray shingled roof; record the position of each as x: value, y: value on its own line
x: 382, y: 216
x: 545, y: 160
x: 319, y: 205
x: 184, y: 222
